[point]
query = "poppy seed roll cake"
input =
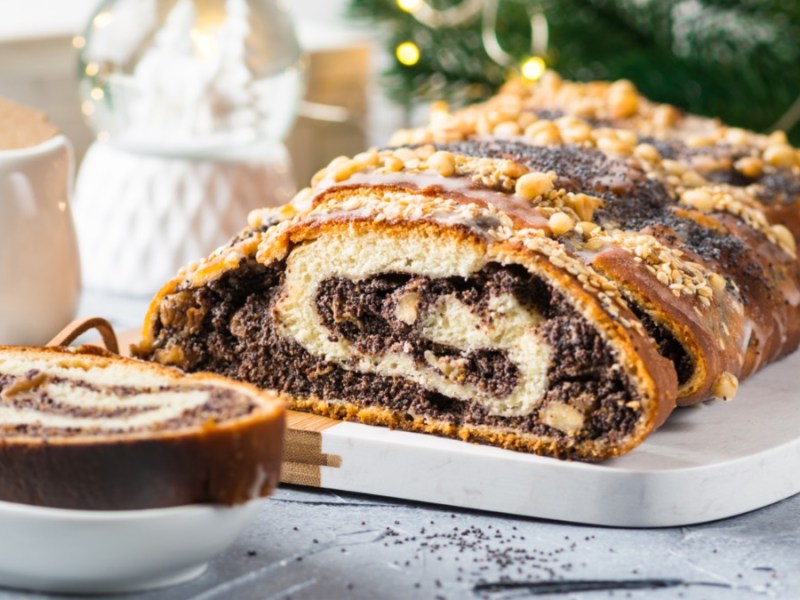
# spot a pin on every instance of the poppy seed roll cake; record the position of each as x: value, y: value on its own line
x: 549, y: 297
x: 85, y: 429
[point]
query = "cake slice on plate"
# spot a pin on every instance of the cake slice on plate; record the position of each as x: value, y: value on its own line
x: 85, y: 429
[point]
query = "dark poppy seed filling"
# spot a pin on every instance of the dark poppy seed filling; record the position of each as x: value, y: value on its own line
x: 238, y: 336
x: 363, y: 312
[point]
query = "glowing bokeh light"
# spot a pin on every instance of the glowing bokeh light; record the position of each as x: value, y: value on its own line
x: 407, y: 53
x: 533, y: 68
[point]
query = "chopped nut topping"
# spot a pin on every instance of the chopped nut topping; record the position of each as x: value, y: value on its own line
x: 367, y: 159
x: 778, y: 137
x: 701, y: 141
x: 737, y: 136
x: 693, y: 179
x: 443, y: 162
x: 594, y: 244
x: 583, y: 205
x: 560, y: 223
x: 717, y: 282
x: 665, y: 116
x: 623, y: 99
x: 673, y: 167
x: 543, y: 133
x: 785, y: 238
x: 255, y: 218
x: 749, y: 167
x: 393, y: 164
x: 647, y: 152
x: 533, y: 185
x: 699, y: 199
x: 587, y: 228
x: 574, y: 130
x: 507, y: 129
x: 725, y: 386
x: 780, y: 155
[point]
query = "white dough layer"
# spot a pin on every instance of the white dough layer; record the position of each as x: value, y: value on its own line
x: 508, y: 326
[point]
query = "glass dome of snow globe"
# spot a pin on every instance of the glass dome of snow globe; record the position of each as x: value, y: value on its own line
x: 190, y: 76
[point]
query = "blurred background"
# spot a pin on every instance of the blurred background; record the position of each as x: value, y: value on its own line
x: 39, y: 66
x: 371, y: 63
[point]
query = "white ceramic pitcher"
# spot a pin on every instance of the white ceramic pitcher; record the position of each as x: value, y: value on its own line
x: 39, y: 266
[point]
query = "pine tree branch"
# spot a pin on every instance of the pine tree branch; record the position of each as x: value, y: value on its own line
x: 737, y: 59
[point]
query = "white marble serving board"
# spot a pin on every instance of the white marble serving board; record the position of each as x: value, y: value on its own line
x: 708, y: 462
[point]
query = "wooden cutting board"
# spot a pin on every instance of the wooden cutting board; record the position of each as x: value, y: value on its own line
x: 706, y: 463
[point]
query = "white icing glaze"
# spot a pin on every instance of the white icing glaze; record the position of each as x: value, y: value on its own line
x: 586, y: 255
x: 747, y: 332
x: 430, y: 182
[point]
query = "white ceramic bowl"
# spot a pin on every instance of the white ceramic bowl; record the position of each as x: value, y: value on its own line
x: 77, y: 551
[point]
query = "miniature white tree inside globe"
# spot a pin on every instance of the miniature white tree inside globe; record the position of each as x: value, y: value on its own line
x: 190, y: 75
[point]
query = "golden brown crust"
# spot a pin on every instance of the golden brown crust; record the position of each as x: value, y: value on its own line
x: 510, y: 439
x: 227, y: 462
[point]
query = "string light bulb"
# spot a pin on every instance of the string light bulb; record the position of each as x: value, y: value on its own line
x: 533, y: 68
x: 409, y: 6
x: 102, y: 19
x: 407, y: 54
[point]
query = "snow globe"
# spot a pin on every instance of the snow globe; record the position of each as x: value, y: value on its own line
x: 190, y: 101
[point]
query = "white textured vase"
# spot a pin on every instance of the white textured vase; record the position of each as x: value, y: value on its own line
x: 39, y: 267
x: 141, y: 216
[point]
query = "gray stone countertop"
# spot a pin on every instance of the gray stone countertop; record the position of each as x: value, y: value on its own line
x: 309, y: 544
